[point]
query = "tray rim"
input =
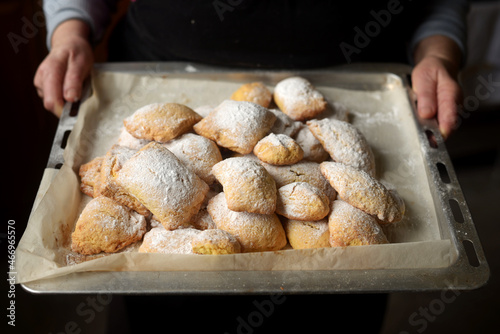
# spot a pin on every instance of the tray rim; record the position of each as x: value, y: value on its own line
x: 459, y: 275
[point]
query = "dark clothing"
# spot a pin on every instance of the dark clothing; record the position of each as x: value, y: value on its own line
x: 267, y: 34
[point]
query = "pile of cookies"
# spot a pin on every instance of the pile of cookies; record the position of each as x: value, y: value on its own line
x: 257, y: 172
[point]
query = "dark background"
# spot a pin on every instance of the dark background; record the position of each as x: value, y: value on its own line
x: 28, y: 131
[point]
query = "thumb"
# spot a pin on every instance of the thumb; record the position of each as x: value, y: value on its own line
x: 78, y: 69
x: 425, y: 86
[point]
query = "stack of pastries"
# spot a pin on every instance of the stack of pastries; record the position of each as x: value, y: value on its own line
x: 260, y: 171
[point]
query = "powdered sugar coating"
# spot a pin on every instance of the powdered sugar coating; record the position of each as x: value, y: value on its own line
x: 303, y: 171
x: 236, y: 125
x: 163, y: 184
x: 247, y: 185
x: 127, y: 140
x: 284, y: 124
x: 160, y: 240
x: 313, y: 150
x: 298, y: 98
x: 302, y: 201
x: 197, y: 153
x: 106, y: 226
x: 350, y: 226
x: 278, y: 149
x: 344, y: 142
x: 364, y: 192
x: 255, y: 232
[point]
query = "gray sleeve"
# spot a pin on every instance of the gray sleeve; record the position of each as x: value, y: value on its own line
x: 96, y: 13
x: 448, y: 18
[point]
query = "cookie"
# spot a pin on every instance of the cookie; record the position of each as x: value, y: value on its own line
x: 302, y: 201
x: 278, y: 150
x: 303, y: 171
x: 255, y: 92
x: 363, y: 191
x: 344, y: 142
x: 236, y: 125
x: 307, y: 234
x: 298, y: 98
x: 160, y: 240
x: 197, y: 153
x: 166, y: 187
x: 350, y: 226
x: 255, y: 232
x: 215, y: 242
x: 312, y: 148
x: 106, y: 226
x: 247, y: 185
x: 161, y: 122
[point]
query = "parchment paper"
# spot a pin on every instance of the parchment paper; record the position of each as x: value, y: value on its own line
x: 384, y: 117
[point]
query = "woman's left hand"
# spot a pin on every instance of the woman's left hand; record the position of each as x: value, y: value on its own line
x: 434, y: 81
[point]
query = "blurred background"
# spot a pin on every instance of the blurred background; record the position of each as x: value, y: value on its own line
x: 28, y: 131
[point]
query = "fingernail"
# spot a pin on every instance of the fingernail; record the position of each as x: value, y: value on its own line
x: 58, y: 109
x: 426, y: 112
x: 71, y: 95
x: 444, y: 132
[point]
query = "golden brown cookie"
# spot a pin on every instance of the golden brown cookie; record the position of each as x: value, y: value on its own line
x: 172, y: 192
x: 106, y: 226
x: 303, y: 171
x: 255, y: 232
x: 197, y: 153
x: 236, y: 125
x: 344, y: 143
x: 90, y: 177
x: 278, y: 150
x: 307, y: 234
x: 313, y: 150
x: 364, y: 192
x: 350, y: 226
x: 161, y: 122
x: 298, y: 98
x: 160, y: 240
x: 255, y: 92
x: 215, y: 242
x: 111, y: 164
x: 247, y: 185
x: 302, y: 201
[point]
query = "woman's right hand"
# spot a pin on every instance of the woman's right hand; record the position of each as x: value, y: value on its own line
x: 60, y: 76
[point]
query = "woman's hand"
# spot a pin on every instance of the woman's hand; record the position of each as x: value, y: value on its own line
x: 434, y: 78
x: 60, y: 76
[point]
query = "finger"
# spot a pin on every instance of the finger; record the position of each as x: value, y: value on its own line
x: 52, y: 87
x: 448, y: 97
x: 424, y: 85
x: 73, y: 80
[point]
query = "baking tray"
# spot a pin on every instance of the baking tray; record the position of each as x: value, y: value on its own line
x: 469, y: 271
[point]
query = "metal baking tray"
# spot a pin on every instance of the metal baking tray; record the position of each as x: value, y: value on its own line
x: 469, y: 271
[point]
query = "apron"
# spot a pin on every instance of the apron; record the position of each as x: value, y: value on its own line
x: 267, y: 34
